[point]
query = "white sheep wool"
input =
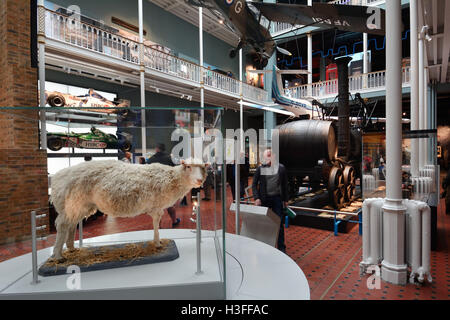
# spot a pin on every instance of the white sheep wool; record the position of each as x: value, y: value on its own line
x: 118, y: 189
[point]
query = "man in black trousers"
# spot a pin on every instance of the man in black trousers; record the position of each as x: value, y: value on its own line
x: 270, y: 189
x: 162, y: 157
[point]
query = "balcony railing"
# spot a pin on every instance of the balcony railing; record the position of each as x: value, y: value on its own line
x: 75, y: 32
x: 359, y: 2
x: 360, y: 83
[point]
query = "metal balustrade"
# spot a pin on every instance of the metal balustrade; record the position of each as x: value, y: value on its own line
x: 101, y: 40
x: 282, y: 27
x: 360, y: 83
x: 358, y: 2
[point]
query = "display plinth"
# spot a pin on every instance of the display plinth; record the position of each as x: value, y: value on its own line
x: 259, y: 223
x: 112, y: 256
x: 175, y: 279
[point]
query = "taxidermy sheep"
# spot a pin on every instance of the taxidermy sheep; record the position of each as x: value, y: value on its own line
x: 118, y: 189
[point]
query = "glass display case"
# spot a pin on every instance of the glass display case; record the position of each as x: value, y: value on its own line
x: 76, y: 135
x: 423, y: 187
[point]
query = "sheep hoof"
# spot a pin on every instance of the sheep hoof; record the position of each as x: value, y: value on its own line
x: 61, y: 260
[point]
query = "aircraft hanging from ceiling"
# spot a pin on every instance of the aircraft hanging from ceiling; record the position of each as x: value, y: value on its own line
x: 244, y: 18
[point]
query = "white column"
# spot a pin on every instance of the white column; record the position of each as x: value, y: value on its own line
x: 421, y: 99
x: 202, y: 89
x: 240, y: 148
x: 426, y: 114
x: 365, y: 58
x: 142, y: 78
x: 414, y: 81
x: 41, y: 66
x: 393, y: 268
x: 310, y: 63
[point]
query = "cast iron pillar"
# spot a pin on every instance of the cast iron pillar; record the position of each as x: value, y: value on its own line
x: 344, y: 108
x: 414, y: 86
x: 393, y: 266
x: 142, y: 77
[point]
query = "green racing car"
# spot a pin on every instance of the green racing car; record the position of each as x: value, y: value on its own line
x: 95, y: 139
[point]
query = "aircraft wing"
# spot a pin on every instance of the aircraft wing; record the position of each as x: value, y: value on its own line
x: 327, y: 16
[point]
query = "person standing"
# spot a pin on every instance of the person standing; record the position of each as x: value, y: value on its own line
x: 446, y: 193
x: 244, y: 172
x: 271, y: 190
x: 162, y: 157
x: 127, y: 157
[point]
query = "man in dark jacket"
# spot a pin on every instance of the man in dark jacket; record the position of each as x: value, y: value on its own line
x: 244, y: 173
x: 162, y: 157
x: 446, y: 193
x: 271, y: 190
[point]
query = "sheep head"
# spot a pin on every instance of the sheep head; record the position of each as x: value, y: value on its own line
x: 195, y: 171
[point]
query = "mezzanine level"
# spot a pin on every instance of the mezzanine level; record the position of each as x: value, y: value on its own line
x: 369, y: 84
x: 95, y: 51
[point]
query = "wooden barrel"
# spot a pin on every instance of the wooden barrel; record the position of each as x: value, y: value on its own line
x: 303, y: 143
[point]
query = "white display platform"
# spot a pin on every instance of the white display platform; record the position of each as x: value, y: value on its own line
x: 254, y: 271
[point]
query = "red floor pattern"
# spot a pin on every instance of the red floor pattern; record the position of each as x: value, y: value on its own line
x: 331, y: 264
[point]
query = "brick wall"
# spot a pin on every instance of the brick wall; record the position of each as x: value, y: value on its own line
x: 23, y: 167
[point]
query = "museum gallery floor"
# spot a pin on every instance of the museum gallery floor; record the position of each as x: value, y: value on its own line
x: 330, y: 264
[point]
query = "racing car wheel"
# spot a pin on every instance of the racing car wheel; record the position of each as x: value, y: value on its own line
x: 126, y: 146
x: 55, y: 143
x: 56, y: 101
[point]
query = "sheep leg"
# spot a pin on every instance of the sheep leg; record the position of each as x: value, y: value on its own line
x: 71, y: 237
x: 156, y: 220
x: 62, y: 230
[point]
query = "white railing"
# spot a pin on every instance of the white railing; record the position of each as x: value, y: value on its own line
x: 359, y: 83
x: 281, y: 27
x: 358, y: 2
x: 73, y: 31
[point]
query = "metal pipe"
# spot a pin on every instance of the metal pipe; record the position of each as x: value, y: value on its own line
x: 202, y: 88
x: 238, y: 151
x: 322, y: 210
x: 427, y: 97
x: 34, y: 249
x: 41, y: 65
x: 344, y: 108
x: 142, y: 78
x: 80, y: 234
x: 421, y: 100
x: 414, y: 83
x: 365, y: 59
x: 310, y: 63
x: 199, y: 236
